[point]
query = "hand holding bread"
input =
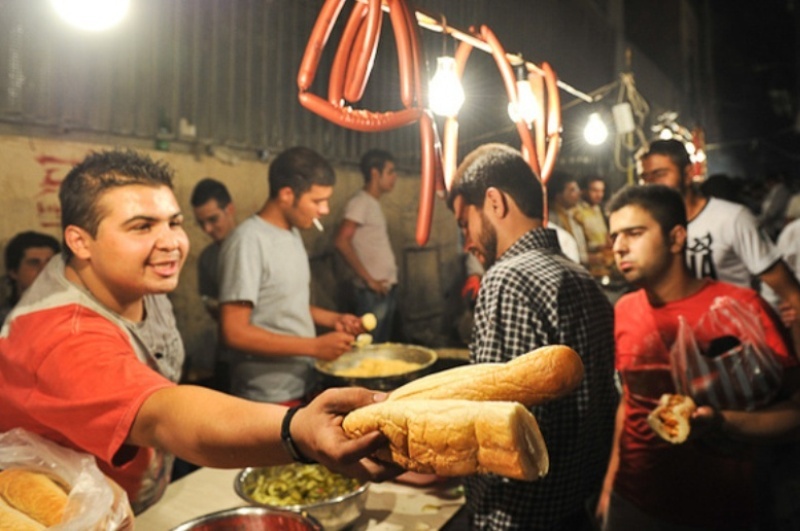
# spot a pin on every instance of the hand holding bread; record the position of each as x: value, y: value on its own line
x: 670, y: 419
x: 473, y: 419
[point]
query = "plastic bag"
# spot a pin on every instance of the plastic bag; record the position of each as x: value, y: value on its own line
x: 94, y: 502
x: 724, y: 361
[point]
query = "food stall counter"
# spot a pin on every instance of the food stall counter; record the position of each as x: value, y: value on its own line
x: 389, y: 506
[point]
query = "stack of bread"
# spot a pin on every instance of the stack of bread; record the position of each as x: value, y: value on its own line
x: 30, y: 500
x: 473, y: 419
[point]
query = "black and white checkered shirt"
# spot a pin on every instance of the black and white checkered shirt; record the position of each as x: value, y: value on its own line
x: 534, y: 296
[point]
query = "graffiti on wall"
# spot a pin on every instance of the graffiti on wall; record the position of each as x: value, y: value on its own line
x: 48, y: 209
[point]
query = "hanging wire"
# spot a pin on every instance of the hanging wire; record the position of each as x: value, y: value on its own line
x: 431, y: 22
x: 628, y: 144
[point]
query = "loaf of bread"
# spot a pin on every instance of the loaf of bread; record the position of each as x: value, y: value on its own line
x: 33, y: 493
x: 670, y: 419
x: 456, y: 437
x: 13, y: 520
x: 534, y: 378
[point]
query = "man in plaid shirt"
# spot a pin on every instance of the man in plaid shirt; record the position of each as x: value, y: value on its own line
x: 531, y: 296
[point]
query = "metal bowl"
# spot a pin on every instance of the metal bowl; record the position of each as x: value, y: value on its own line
x: 329, y: 371
x: 252, y: 519
x: 334, y: 513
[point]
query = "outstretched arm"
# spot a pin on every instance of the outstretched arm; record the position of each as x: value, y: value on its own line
x: 214, y: 429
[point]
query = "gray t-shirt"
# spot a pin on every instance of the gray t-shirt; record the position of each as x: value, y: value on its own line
x: 268, y: 267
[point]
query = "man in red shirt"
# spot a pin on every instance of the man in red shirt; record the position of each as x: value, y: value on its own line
x: 90, y: 356
x: 702, y: 483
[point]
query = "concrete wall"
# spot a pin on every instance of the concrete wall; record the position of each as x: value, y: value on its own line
x: 429, y: 277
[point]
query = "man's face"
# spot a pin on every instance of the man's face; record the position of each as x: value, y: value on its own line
x: 570, y: 196
x: 387, y: 177
x: 595, y: 192
x: 480, y: 236
x: 640, y: 251
x: 215, y: 221
x: 659, y: 169
x: 33, y: 261
x: 140, y: 244
x: 311, y: 205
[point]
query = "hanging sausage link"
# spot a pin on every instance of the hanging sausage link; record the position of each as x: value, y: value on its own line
x: 350, y: 72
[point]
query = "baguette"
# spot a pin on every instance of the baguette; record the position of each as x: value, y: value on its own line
x: 34, y: 494
x: 670, y: 419
x: 534, y: 378
x: 456, y: 437
x: 13, y: 520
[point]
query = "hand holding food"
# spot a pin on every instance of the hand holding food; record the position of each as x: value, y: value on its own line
x: 332, y: 345
x: 472, y: 419
x: 369, y: 321
x: 670, y: 420
x: 456, y: 437
x: 349, y: 323
x: 317, y: 433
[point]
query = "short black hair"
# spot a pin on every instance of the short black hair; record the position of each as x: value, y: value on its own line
x: 662, y: 202
x: 206, y: 190
x: 23, y: 241
x: 589, y: 179
x: 502, y: 167
x: 672, y: 148
x: 99, y: 172
x: 558, y: 182
x: 299, y: 168
x: 374, y: 158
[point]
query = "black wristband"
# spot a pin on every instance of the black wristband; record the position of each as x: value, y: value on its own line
x: 286, y: 438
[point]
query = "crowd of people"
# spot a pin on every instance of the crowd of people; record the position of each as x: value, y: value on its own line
x: 105, y: 379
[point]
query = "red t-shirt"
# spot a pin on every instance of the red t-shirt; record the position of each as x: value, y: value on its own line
x: 706, y: 482
x: 70, y: 375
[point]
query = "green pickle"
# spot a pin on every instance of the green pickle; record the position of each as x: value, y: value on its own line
x: 298, y: 484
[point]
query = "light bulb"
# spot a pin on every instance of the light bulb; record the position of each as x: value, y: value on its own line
x: 445, y: 93
x: 595, y: 132
x: 526, y: 107
x: 92, y: 15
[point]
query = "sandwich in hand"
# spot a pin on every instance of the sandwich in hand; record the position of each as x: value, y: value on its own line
x: 670, y: 419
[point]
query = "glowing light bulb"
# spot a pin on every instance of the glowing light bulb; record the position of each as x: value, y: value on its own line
x: 526, y: 107
x: 92, y: 15
x: 595, y: 132
x: 445, y: 93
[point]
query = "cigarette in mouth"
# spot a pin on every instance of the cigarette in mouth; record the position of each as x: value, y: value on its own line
x: 318, y: 225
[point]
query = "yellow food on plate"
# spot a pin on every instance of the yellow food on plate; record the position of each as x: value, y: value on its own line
x: 370, y: 367
x: 369, y: 321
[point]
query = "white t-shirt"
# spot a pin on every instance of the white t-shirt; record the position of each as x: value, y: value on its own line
x: 371, y: 239
x: 789, y: 246
x: 567, y: 243
x: 726, y: 244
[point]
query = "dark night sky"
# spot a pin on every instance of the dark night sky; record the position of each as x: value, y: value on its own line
x: 755, y: 69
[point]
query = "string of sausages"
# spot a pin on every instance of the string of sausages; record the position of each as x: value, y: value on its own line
x: 350, y: 71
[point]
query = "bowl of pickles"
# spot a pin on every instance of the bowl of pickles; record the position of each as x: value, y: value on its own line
x: 336, y: 501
